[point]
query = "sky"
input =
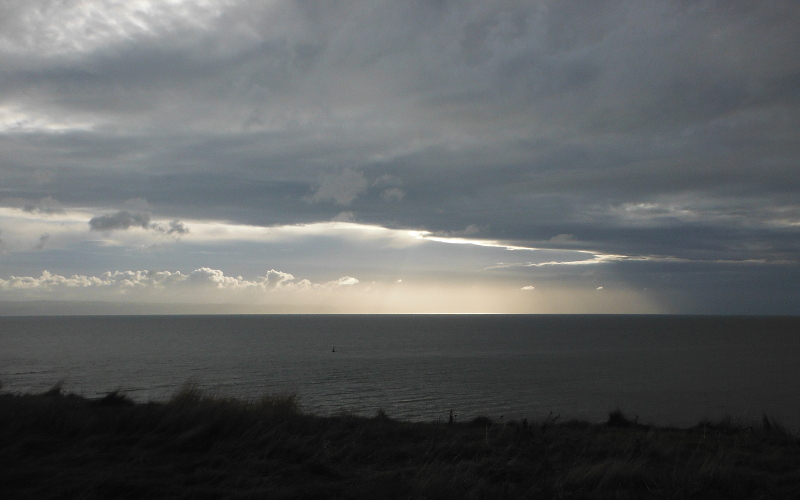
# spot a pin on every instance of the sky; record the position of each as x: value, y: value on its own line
x: 419, y: 156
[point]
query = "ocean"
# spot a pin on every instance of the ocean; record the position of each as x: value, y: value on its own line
x: 667, y: 370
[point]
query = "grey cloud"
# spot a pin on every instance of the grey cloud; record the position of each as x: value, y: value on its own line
x: 346, y: 216
x: 176, y: 227
x: 138, y: 204
x: 121, y: 220
x: 42, y: 240
x: 42, y: 210
x: 393, y: 194
x: 562, y: 238
x: 470, y: 230
x: 124, y: 220
x: 527, y: 119
x: 342, y: 188
x: 45, y: 206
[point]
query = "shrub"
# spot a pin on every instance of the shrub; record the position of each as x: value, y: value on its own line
x: 618, y: 419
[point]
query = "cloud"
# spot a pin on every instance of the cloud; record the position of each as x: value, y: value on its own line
x: 393, y: 194
x: 45, y: 206
x: 342, y: 188
x: 121, y: 220
x: 608, y: 259
x: 275, y: 279
x: 572, y: 258
x: 42, y: 240
x: 198, y: 285
x: 470, y: 230
x: 562, y: 238
x: 138, y: 204
x: 642, y: 127
x: 60, y: 28
x: 124, y: 220
x: 344, y: 281
x: 176, y: 227
x: 346, y: 216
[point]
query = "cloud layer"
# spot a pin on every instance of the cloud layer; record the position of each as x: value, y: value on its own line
x: 630, y: 128
x: 200, y: 285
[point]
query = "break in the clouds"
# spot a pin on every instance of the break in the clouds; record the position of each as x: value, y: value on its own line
x: 655, y: 142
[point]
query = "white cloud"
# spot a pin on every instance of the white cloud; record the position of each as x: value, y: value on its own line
x: 344, y: 281
x: 275, y: 279
x: 572, y: 258
x: 429, y: 236
x: 200, y: 285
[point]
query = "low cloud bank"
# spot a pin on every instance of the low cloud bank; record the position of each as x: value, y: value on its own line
x: 199, y: 285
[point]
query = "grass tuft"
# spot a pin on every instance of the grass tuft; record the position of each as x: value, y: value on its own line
x: 56, y: 389
x: 57, y: 445
x: 482, y: 422
x: 618, y: 419
x: 114, y: 398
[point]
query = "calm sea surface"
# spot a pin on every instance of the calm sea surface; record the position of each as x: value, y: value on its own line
x: 666, y: 369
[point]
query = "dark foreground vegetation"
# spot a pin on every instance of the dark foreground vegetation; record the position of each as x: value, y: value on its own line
x: 57, y: 445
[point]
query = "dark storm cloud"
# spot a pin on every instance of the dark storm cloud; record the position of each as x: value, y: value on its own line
x: 639, y: 127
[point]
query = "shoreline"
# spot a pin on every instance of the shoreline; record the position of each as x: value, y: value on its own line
x: 56, y: 445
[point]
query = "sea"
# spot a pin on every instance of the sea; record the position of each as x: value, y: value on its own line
x: 665, y: 370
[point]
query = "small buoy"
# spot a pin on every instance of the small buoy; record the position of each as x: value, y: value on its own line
x: 334, y: 349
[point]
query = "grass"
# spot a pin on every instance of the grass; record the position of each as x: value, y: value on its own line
x: 57, y: 445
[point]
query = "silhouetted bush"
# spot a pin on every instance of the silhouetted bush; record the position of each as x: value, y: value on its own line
x: 481, y: 422
x: 618, y: 419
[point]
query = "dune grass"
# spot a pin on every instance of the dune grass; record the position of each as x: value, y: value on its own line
x: 57, y: 445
